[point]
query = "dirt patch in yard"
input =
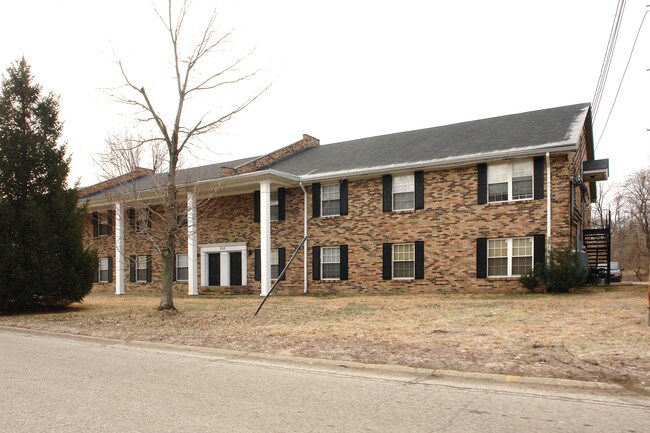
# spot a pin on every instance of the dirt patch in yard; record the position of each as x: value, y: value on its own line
x: 596, y: 335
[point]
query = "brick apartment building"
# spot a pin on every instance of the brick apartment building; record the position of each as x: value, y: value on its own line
x: 463, y: 207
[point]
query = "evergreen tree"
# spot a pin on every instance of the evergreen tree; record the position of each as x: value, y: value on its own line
x: 43, y: 263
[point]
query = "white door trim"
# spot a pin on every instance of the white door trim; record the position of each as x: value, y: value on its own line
x: 223, y: 248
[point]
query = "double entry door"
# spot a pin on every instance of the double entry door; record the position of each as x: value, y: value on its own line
x: 225, y: 268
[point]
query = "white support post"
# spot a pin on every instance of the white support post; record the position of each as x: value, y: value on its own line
x: 265, y: 236
x: 119, y: 249
x: 192, y: 246
x: 224, y: 259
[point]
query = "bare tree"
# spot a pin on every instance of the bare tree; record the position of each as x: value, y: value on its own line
x: 193, y: 75
x: 637, y: 199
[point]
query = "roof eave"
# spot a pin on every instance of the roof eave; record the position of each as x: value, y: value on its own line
x: 459, y: 161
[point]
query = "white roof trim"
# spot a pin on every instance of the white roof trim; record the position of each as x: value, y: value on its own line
x: 454, y: 161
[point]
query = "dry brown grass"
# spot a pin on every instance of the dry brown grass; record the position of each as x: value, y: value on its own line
x: 596, y: 334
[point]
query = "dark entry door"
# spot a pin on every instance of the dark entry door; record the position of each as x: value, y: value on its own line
x: 214, y: 269
x: 235, y: 269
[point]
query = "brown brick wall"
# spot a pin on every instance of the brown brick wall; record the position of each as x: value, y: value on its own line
x: 449, y: 226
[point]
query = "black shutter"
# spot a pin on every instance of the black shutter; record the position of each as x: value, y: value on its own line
x: 132, y: 221
x: 174, y: 276
x: 281, y: 205
x: 538, y: 177
x: 482, y: 183
x: 343, y: 250
x: 388, y: 261
x: 419, y: 189
x: 315, y: 263
x: 132, y: 269
x: 256, y: 206
x: 315, y: 200
x: 110, y: 269
x: 96, y: 279
x: 282, y: 258
x: 148, y: 213
x: 419, y: 260
x: 387, y: 182
x: 344, y: 197
x: 111, y: 221
x: 257, y: 265
x: 539, y: 251
x: 481, y: 258
x: 95, y: 224
x: 148, y: 269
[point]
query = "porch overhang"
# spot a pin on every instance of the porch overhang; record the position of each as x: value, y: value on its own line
x: 596, y: 170
x: 219, y: 187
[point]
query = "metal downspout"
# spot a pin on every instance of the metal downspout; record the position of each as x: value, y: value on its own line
x: 548, y: 205
x: 304, y: 276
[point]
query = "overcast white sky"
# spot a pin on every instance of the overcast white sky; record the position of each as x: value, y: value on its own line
x: 342, y: 70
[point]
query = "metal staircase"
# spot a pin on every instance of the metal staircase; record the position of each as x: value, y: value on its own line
x: 597, y: 244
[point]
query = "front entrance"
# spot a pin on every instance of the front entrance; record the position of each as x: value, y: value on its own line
x: 235, y: 269
x: 223, y: 264
x: 214, y: 269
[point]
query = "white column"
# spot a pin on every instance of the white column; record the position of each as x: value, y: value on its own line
x: 192, y: 268
x: 265, y: 236
x: 224, y: 275
x: 119, y: 249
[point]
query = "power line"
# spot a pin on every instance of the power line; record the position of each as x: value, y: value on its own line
x: 622, y: 78
x: 609, y: 54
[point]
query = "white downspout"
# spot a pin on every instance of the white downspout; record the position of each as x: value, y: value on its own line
x: 548, y: 205
x: 304, y: 276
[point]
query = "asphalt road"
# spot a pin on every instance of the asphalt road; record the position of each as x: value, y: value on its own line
x: 62, y: 384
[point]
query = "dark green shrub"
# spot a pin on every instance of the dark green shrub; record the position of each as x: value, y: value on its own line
x: 531, y: 280
x: 564, y: 271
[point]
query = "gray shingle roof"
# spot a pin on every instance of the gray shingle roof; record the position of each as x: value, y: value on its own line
x: 541, y: 129
x: 183, y: 176
x: 552, y: 126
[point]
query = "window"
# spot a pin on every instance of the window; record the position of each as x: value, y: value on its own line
x: 510, y: 181
x: 140, y: 219
x: 274, y: 206
x: 141, y: 269
x: 330, y: 263
x: 404, y: 261
x: 275, y: 264
x: 181, y: 267
x: 330, y: 200
x: 102, y: 223
x: 104, y: 270
x: 510, y: 257
x: 403, y: 192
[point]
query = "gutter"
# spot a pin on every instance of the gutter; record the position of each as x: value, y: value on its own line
x: 304, y: 276
x: 548, y: 206
x: 440, y: 163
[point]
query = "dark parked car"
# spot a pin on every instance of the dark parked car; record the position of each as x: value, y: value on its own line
x: 615, y: 271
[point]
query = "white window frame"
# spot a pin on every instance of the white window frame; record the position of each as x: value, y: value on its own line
x: 100, y: 269
x: 181, y: 267
x: 510, y: 256
x: 337, y: 188
x: 275, y: 261
x: 142, y: 220
x: 274, y: 202
x: 393, y: 192
x: 323, y: 262
x: 103, y: 229
x: 509, y: 170
x: 393, y: 261
x: 138, y: 261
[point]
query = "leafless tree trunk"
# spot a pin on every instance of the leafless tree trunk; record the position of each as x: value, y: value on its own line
x: 190, y: 79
